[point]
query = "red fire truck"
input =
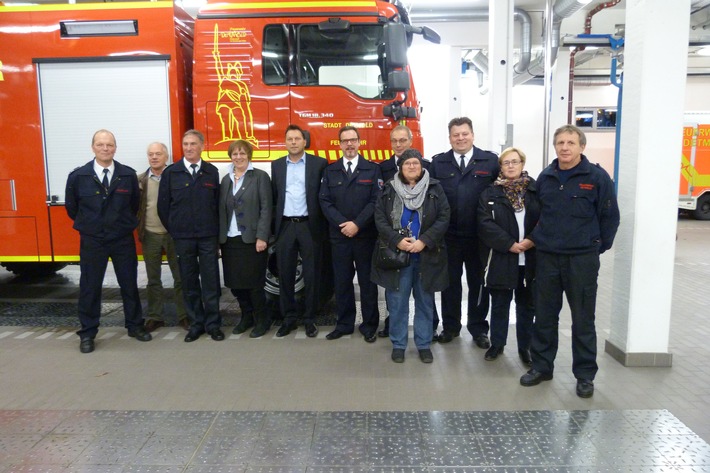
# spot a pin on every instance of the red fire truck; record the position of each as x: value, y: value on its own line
x: 148, y: 71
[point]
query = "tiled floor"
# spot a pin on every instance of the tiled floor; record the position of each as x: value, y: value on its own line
x: 307, y: 441
x: 298, y: 404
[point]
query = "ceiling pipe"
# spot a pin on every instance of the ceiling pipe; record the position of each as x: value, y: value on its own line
x: 560, y: 10
x: 519, y: 15
x: 573, y: 63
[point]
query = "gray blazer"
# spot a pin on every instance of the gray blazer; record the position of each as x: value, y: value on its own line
x: 254, y: 204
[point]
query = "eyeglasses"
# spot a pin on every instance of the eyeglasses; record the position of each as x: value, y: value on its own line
x: 350, y: 141
x: 512, y: 162
x: 400, y: 141
x: 411, y: 164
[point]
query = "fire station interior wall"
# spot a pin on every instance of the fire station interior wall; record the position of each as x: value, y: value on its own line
x: 440, y: 101
x: 133, y: 103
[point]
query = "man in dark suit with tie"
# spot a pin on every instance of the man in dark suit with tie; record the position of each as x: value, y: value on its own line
x: 464, y: 172
x: 102, y: 198
x: 299, y: 227
x: 348, y: 194
x: 188, y: 201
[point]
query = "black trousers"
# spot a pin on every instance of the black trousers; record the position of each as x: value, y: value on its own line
x: 464, y: 251
x: 94, y: 253
x: 351, y: 255
x: 576, y: 276
x: 524, y: 313
x: 295, y: 238
x: 199, y: 270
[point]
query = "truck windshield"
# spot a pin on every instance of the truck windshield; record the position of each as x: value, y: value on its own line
x: 350, y: 59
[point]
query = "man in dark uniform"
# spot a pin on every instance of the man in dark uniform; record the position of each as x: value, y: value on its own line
x: 348, y: 194
x: 188, y: 208
x: 299, y: 227
x: 579, y: 216
x: 464, y: 172
x: 102, y: 197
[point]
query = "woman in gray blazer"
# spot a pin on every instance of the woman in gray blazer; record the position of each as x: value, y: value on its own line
x: 245, y: 208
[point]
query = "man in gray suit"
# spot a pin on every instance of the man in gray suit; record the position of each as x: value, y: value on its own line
x: 299, y: 227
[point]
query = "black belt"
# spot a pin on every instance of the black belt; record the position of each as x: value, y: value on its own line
x: 295, y: 219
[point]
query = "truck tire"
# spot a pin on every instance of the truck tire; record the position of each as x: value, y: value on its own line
x: 33, y: 270
x: 702, y: 211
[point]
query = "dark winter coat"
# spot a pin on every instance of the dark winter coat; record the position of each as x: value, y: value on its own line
x: 498, y: 231
x: 434, y: 217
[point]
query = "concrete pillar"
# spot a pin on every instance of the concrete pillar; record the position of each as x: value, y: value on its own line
x: 500, y: 73
x: 655, y: 67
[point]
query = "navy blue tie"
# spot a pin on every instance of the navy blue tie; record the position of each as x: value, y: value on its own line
x: 105, y: 180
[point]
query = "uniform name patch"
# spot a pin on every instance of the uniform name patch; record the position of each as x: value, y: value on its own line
x: 586, y: 187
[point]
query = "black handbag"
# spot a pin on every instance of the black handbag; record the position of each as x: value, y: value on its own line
x: 387, y: 258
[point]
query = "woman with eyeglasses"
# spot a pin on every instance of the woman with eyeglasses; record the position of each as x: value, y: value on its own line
x: 508, y: 211
x: 412, y: 215
x: 245, y: 206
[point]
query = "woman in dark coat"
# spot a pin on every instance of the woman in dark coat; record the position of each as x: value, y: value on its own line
x: 244, y: 230
x: 412, y: 215
x: 508, y: 211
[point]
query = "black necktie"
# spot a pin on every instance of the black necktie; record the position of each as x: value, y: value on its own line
x: 105, y: 179
x: 194, y: 171
x: 350, y: 169
x: 463, y: 163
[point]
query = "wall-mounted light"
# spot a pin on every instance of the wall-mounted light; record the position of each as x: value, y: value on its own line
x: 705, y: 51
x: 98, y: 28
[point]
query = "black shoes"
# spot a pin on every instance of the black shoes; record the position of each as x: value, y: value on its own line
x: 525, y: 357
x: 585, y: 388
x: 140, y: 334
x: 533, y: 378
x: 384, y: 333
x: 446, y: 336
x: 243, y: 325
x: 259, y: 331
x: 216, y: 334
x: 398, y: 355
x: 285, y: 329
x: 193, y: 335
x: 493, y: 353
x: 86, y: 345
x: 335, y: 334
x: 482, y: 341
x: 370, y: 337
x: 426, y: 356
x: 311, y: 330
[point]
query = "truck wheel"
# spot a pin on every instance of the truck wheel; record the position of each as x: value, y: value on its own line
x: 702, y: 211
x: 33, y: 270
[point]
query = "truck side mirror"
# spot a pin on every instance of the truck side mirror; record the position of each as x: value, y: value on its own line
x: 395, y: 39
x: 398, y: 81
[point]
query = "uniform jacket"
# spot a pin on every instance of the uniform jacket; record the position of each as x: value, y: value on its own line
x: 353, y: 199
x: 463, y: 189
x: 314, y: 173
x: 498, y: 230
x: 187, y: 208
x: 434, y: 217
x: 388, y: 168
x: 253, y: 206
x: 100, y: 213
x: 580, y: 216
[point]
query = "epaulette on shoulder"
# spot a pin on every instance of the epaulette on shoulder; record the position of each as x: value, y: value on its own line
x: 437, y: 155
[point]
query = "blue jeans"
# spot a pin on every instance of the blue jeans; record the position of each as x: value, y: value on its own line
x: 398, y: 303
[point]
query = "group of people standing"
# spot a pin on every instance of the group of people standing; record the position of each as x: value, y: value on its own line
x: 517, y: 238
